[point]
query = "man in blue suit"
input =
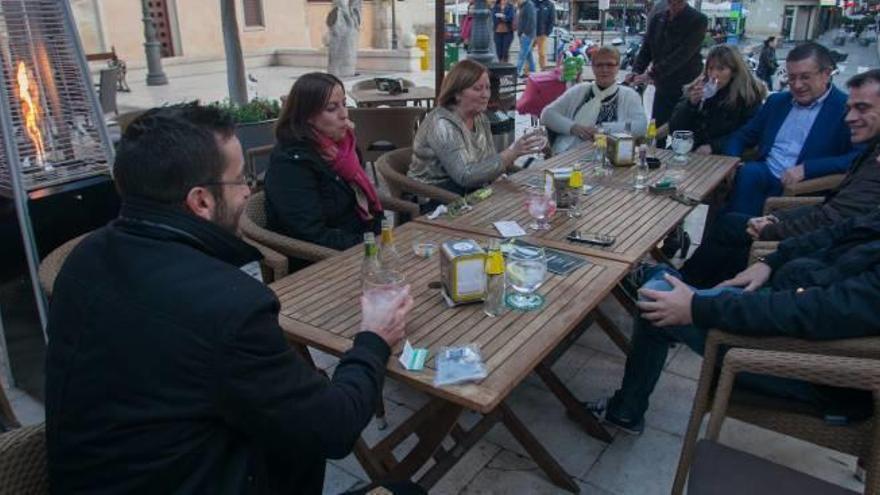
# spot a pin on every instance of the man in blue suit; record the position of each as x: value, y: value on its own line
x: 800, y: 134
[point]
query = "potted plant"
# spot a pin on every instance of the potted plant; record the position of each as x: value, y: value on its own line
x: 255, y: 124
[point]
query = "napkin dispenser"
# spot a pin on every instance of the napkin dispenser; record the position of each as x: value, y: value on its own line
x: 561, y: 191
x: 621, y: 149
x: 462, y: 271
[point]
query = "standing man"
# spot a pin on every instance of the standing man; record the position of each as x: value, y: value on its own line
x: 546, y: 20
x: 167, y: 370
x: 527, y: 28
x: 767, y: 63
x: 670, y: 55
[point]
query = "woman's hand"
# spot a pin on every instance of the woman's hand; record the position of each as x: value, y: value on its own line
x: 529, y: 143
x: 695, y: 92
x: 584, y: 132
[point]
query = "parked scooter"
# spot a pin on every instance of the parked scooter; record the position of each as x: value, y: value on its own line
x: 629, y: 56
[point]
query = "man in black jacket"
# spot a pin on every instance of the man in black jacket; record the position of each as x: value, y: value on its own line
x: 167, y: 371
x: 726, y: 248
x: 672, y: 50
x: 823, y: 285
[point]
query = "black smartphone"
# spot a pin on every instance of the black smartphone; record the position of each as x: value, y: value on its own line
x: 685, y: 199
x: 590, y: 238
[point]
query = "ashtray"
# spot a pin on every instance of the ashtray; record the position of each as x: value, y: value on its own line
x: 653, y: 162
x: 663, y: 186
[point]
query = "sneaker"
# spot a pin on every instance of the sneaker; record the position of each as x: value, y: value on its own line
x: 628, y: 426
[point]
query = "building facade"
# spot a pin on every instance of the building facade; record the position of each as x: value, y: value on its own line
x: 190, y: 30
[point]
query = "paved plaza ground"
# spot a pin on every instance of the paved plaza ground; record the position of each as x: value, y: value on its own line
x: 592, y: 368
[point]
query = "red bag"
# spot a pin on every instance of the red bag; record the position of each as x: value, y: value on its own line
x: 541, y: 89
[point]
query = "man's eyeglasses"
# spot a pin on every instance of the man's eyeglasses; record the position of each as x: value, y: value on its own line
x: 604, y: 66
x: 246, y: 180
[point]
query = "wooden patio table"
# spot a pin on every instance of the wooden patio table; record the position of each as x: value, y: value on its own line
x: 374, y: 97
x: 319, y: 308
x: 638, y: 220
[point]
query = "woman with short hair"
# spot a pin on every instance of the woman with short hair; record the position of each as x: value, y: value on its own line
x: 453, y: 148
x: 576, y: 115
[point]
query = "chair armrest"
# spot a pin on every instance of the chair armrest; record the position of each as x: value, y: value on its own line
x: 275, y: 264
x: 813, y: 185
x: 399, y: 205
x: 288, y: 246
x: 790, y: 202
x: 835, y: 371
x: 862, y: 347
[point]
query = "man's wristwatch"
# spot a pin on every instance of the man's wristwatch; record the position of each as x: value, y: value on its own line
x: 762, y: 259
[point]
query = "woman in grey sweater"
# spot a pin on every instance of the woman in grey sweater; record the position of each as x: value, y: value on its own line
x: 453, y: 147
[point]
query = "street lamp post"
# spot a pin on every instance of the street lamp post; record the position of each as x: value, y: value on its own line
x: 480, y: 41
x: 155, y: 75
x: 393, y: 25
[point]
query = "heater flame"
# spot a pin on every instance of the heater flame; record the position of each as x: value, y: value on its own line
x: 30, y: 109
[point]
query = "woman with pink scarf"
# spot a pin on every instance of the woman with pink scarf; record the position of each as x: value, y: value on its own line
x: 316, y: 188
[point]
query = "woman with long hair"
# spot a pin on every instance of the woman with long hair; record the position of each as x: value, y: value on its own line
x: 453, y: 147
x: 503, y: 13
x: 316, y: 187
x: 723, y: 98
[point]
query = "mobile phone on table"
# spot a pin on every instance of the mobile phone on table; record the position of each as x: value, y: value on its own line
x: 590, y: 238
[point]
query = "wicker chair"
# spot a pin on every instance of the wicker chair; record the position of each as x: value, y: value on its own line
x: 51, y: 264
x: 720, y: 470
x: 778, y: 415
x: 763, y: 248
x: 394, y: 165
x: 254, y: 227
x: 380, y: 130
x: 813, y: 186
x: 23, y: 469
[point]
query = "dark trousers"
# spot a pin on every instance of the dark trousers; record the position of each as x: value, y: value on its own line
x: 665, y: 99
x: 723, y: 253
x: 768, y: 80
x: 754, y: 183
x: 502, y: 45
x: 650, y: 347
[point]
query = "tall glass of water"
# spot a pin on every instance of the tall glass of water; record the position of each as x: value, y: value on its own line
x: 382, y: 287
x: 526, y: 270
x: 682, y: 144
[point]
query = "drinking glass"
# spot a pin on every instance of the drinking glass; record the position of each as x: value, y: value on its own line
x: 526, y: 271
x: 541, y: 207
x: 382, y: 287
x: 682, y: 144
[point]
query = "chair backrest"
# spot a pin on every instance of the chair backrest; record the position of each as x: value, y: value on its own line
x: 257, y: 160
x: 379, y: 130
x: 255, y: 210
x: 23, y: 467
x: 107, y: 89
x: 52, y: 263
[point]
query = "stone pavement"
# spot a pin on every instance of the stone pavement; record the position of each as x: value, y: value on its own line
x: 592, y: 369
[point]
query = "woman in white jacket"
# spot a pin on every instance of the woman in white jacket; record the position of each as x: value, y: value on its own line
x: 576, y: 115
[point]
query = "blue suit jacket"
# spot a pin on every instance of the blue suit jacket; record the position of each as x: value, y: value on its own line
x: 828, y: 149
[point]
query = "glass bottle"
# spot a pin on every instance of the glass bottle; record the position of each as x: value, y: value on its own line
x: 602, y: 164
x: 651, y: 139
x: 575, y: 184
x: 640, y: 174
x: 371, y: 267
x: 494, y: 303
x: 389, y: 256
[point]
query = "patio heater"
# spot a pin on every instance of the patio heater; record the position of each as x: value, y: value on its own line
x: 54, y: 138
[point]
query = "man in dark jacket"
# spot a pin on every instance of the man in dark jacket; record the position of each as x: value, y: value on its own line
x: 823, y: 285
x: 670, y: 55
x: 546, y: 18
x: 167, y: 371
x: 725, y: 250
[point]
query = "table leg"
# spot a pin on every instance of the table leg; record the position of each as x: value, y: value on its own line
x: 625, y: 300
x: 575, y: 409
x: 464, y: 441
x: 612, y: 330
x: 430, y: 425
x: 536, y: 451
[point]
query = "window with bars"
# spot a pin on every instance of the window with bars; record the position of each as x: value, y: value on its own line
x: 253, y: 13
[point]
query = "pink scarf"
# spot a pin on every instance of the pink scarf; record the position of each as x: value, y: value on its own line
x: 343, y: 159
